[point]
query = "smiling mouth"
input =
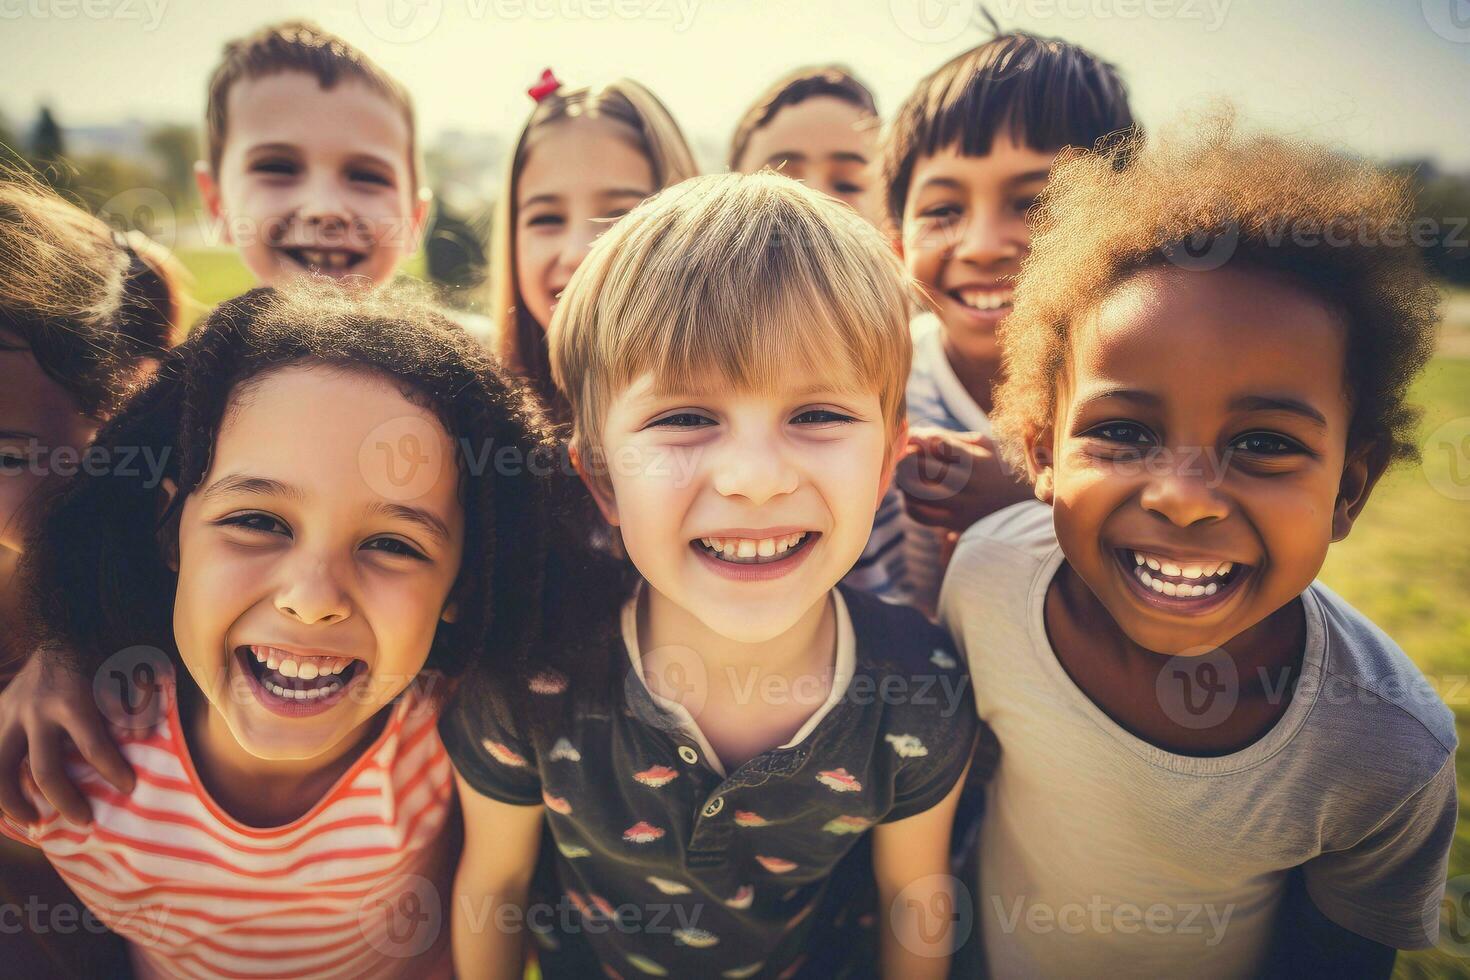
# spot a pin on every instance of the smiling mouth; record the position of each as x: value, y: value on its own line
x: 293, y: 677
x: 984, y: 300
x: 1182, y: 583
x: 328, y: 261
x: 756, y: 551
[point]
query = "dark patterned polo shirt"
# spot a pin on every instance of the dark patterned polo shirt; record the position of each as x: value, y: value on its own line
x: 664, y: 864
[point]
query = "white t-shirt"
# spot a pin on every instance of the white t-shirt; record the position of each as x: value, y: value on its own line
x: 1104, y: 855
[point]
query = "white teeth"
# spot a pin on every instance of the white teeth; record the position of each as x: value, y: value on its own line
x: 1169, y: 568
x: 984, y: 299
x: 1225, y: 567
x: 766, y: 548
x: 307, y: 671
x: 1197, y: 590
x: 273, y: 660
x: 1191, y: 571
x: 1157, y: 586
x: 1152, y: 563
x: 746, y: 549
x: 1170, y: 588
x: 1211, y: 589
x: 1147, y: 579
x: 258, y: 655
x: 289, y: 667
x: 1137, y: 558
x: 782, y: 545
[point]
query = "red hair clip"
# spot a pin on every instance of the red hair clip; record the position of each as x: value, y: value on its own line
x: 547, y: 84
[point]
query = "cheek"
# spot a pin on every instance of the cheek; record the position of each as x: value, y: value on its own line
x: 18, y: 494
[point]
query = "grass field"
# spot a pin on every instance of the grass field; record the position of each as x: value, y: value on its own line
x: 1406, y: 564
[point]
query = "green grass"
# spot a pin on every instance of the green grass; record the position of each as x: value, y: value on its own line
x: 1406, y: 565
x: 217, y: 274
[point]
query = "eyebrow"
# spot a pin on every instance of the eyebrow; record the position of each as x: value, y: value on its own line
x: 1027, y: 177
x: 848, y: 156
x: 1263, y: 403
x: 625, y: 192
x: 264, y: 487
x: 1134, y: 395
x: 260, y: 148
x: 430, y: 523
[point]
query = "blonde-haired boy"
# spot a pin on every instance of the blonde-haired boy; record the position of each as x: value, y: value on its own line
x: 734, y: 352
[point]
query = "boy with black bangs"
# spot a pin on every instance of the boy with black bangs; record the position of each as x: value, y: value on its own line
x: 968, y: 153
x: 1204, y: 748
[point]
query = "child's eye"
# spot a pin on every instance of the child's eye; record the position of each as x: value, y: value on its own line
x: 12, y: 463
x: 282, y: 167
x: 822, y: 416
x: 684, y: 420
x: 255, y: 521
x: 1265, y: 444
x: 395, y: 546
x: 371, y: 177
x: 848, y: 189
x: 545, y: 220
x: 1124, y: 433
x: 1025, y: 204
x: 940, y: 212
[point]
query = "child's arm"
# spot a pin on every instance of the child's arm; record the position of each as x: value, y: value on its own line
x: 46, y: 703
x: 1308, y: 944
x: 501, y: 842
x: 916, y: 892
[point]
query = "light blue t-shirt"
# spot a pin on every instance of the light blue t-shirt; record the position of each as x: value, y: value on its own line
x: 1104, y: 855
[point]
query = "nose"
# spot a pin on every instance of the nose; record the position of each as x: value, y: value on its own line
x: 580, y: 236
x: 756, y: 470
x: 312, y: 593
x: 323, y: 202
x: 986, y: 239
x: 1184, y: 493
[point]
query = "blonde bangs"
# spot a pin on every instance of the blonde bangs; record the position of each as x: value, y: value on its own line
x: 738, y: 281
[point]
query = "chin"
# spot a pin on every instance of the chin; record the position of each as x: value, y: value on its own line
x: 752, y: 625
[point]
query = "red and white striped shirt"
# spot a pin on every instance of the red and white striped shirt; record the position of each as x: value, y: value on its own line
x: 358, y: 886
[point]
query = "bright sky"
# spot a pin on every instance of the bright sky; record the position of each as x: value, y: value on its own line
x: 1383, y: 77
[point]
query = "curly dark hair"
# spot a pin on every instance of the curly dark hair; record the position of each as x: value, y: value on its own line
x: 1205, y: 187
x: 1044, y: 92
x: 530, y: 592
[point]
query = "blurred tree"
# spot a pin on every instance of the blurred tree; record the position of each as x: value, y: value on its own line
x: 176, y: 146
x: 454, y: 254
x: 48, y: 149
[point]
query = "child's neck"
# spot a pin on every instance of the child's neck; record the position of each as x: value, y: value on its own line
x: 262, y: 792
x: 976, y: 375
x: 734, y: 704
x: 1123, y: 678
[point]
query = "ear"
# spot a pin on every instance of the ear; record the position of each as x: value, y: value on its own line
x: 890, y: 465
x: 606, y: 502
x: 209, y: 192
x: 168, y: 535
x: 1040, y: 463
x: 1360, y: 473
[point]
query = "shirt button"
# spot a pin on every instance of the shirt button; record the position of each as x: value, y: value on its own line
x: 688, y: 754
x: 714, y: 806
